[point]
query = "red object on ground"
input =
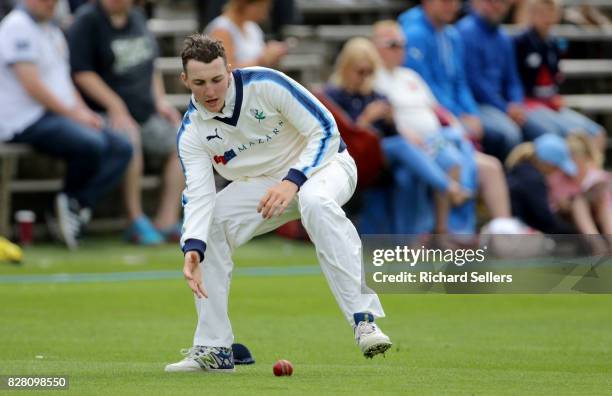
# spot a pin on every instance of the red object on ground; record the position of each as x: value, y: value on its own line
x: 282, y: 367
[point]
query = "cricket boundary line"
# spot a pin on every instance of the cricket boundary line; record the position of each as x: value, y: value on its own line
x: 152, y: 275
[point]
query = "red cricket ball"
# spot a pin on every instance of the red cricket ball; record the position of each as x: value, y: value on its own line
x: 282, y: 367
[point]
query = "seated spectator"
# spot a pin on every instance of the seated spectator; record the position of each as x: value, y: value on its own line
x: 242, y: 38
x: 434, y: 49
x: 416, y: 110
x: 529, y: 164
x: 537, y: 55
x: 114, y: 66
x: 585, y: 199
x: 351, y: 89
x: 40, y: 106
x: 492, y: 72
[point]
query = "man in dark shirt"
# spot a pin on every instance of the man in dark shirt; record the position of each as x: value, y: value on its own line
x: 113, y: 64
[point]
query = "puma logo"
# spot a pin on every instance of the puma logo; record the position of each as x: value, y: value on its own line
x: 215, y: 136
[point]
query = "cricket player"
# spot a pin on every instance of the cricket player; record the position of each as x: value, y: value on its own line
x: 283, y: 152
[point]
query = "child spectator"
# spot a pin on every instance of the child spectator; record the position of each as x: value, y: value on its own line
x: 529, y: 164
x: 586, y: 197
x: 537, y: 56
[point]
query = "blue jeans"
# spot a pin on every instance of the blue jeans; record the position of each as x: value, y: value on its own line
x: 501, y: 133
x: 96, y: 160
x: 565, y: 121
x: 402, y: 155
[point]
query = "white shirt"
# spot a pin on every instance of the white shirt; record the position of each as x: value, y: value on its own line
x: 22, y: 39
x: 411, y: 98
x: 270, y: 126
x: 248, y: 43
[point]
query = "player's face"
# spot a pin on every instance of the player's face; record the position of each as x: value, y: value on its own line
x: 208, y: 82
x: 390, y: 44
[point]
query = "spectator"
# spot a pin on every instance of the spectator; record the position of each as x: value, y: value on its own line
x: 242, y: 38
x: 434, y: 49
x: 538, y: 54
x: 415, y: 109
x: 531, y: 167
x: 114, y: 66
x: 351, y: 89
x: 49, y: 114
x: 591, y: 186
x: 529, y: 164
x: 493, y: 75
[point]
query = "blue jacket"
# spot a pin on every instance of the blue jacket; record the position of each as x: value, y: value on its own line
x: 490, y: 63
x: 438, y: 57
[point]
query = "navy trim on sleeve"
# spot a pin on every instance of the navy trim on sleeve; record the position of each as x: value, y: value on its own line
x: 297, y: 177
x: 195, y: 245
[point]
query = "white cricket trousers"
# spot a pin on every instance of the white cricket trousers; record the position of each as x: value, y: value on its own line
x: 318, y: 203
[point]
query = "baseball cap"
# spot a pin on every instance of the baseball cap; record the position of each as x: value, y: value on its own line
x: 553, y: 150
x: 242, y: 355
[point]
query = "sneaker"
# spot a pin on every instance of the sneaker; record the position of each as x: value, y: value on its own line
x: 68, y: 221
x: 202, y: 358
x: 142, y: 232
x: 369, y: 337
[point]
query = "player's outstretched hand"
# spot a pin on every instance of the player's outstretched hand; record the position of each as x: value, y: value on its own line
x: 193, y: 274
x: 277, y: 199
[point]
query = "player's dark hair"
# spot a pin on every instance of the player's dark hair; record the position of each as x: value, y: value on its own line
x: 202, y: 48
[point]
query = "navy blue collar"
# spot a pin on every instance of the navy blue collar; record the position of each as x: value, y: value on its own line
x: 233, y: 121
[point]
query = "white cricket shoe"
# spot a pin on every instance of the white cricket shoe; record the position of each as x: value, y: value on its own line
x: 202, y: 358
x: 371, y: 339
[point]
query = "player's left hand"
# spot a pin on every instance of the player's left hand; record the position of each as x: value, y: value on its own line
x: 167, y: 111
x: 277, y: 199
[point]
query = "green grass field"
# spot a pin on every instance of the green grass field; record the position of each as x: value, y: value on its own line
x: 113, y: 334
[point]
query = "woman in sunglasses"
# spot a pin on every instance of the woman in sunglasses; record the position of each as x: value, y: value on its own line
x: 407, y: 155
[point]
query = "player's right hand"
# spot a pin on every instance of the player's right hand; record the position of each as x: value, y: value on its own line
x: 193, y: 274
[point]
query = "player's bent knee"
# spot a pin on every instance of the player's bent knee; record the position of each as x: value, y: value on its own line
x: 316, y: 204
